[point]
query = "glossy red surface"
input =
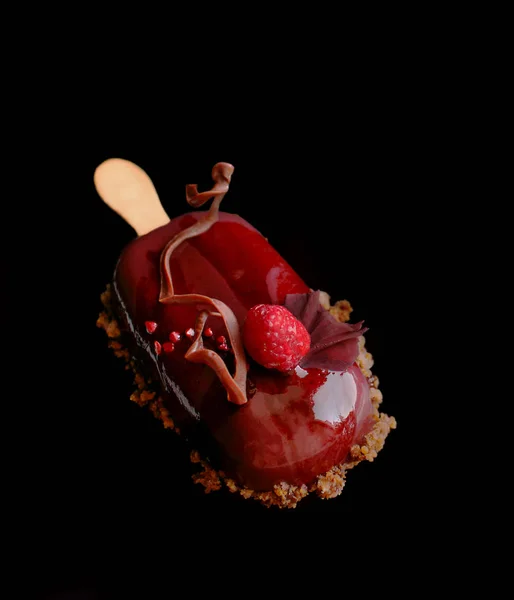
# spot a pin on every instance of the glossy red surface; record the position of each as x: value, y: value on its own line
x: 295, y: 426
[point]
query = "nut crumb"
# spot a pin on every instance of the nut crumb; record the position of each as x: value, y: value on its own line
x: 341, y: 310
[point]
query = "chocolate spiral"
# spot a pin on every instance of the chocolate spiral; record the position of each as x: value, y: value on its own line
x: 236, y: 384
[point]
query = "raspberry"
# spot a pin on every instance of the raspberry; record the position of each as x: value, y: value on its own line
x: 274, y: 337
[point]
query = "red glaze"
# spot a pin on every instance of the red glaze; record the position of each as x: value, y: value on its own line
x: 295, y: 426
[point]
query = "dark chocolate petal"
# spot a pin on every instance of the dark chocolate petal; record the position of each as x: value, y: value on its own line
x: 334, y: 345
x: 329, y: 332
x: 304, y: 307
x: 334, y: 358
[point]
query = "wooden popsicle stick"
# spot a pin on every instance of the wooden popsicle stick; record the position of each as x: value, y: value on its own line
x: 129, y: 191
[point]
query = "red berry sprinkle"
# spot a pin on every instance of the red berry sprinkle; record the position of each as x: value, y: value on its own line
x: 151, y: 326
x: 190, y: 333
x: 208, y: 332
x: 274, y: 337
x: 158, y: 347
x: 175, y: 336
x: 168, y: 346
x: 222, y: 342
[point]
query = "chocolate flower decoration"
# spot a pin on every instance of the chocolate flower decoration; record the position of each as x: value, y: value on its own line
x: 334, y: 345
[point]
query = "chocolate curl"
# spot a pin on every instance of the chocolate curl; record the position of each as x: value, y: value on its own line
x: 197, y: 353
x: 235, y: 385
x: 221, y: 173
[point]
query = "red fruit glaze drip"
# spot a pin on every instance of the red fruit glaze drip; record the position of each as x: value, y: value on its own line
x: 174, y: 337
x: 294, y: 427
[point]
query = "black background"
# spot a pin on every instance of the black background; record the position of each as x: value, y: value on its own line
x: 340, y: 200
x: 372, y: 162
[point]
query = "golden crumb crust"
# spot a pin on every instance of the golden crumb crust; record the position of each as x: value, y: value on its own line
x: 283, y: 495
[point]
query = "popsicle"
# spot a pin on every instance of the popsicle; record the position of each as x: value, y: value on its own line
x: 269, y: 385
